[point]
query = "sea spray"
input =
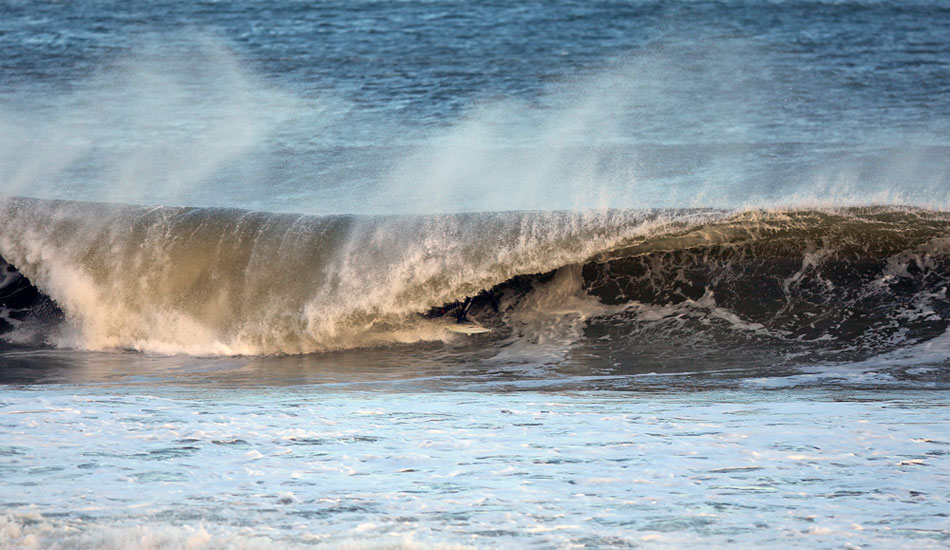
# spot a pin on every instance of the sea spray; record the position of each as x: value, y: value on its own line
x: 187, y: 120
x: 156, y: 126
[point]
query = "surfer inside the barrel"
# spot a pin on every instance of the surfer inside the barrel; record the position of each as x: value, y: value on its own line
x: 461, y: 308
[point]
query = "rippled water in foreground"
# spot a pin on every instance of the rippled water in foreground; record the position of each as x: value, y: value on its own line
x: 377, y: 467
x: 211, y: 453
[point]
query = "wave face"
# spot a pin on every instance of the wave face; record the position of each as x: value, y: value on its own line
x: 790, y: 283
x: 217, y: 281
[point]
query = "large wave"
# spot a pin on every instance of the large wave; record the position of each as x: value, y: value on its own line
x: 208, y: 281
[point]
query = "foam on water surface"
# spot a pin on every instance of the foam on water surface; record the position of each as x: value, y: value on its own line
x: 294, y: 467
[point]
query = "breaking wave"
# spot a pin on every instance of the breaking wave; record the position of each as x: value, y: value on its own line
x: 799, y: 282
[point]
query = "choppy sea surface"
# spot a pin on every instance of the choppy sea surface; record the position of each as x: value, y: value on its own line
x: 711, y: 241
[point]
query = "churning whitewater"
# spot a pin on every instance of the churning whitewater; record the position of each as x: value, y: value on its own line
x: 845, y: 283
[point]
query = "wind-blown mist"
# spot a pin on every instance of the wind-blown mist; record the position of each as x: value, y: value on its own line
x: 157, y: 126
x: 189, y: 122
x: 696, y: 126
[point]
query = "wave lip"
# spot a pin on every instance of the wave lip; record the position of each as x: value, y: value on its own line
x: 220, y: 281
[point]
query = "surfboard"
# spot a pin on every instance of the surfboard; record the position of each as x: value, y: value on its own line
x: 467, y: 328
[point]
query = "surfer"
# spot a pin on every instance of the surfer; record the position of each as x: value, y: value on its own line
x: 462, y: 316
x: 461, y: 308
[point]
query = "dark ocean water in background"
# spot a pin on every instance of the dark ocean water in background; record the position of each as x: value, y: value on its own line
x: 717, y: 234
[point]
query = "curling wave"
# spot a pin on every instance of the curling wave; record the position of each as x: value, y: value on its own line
x: 210, y: 281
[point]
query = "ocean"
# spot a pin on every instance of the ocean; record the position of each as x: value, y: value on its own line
x: 710, y: 241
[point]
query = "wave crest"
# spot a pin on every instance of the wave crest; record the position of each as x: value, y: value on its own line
x: 220, y: 281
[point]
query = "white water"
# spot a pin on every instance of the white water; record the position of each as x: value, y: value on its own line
x: 292, y: 467
x: 226, y: 283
